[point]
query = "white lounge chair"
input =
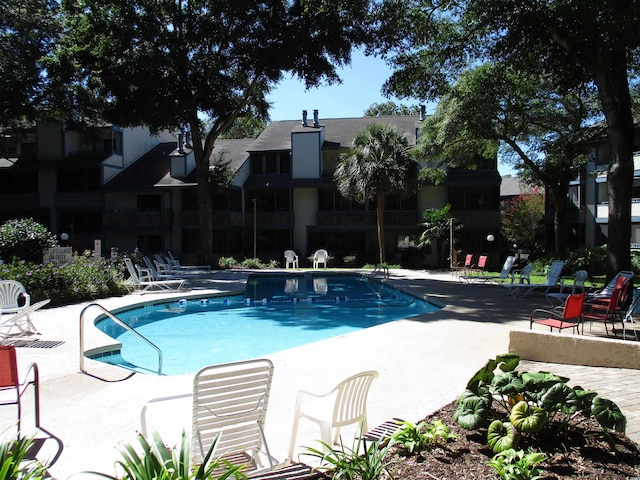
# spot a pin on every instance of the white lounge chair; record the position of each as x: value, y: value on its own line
x: 176, y: 265
x: 576, y: 286
x: 145, y: 282
x: 551, y: 281
x: 229, y: 400
x: 503, y: 276
x: 345, y: 404
x: 320, y: 257
x: 290, y: 259
x: 19, y: 324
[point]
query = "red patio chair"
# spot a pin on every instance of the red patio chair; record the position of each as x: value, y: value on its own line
x: 606, y: 309
x: 11, y: 388
x: 570, y: 317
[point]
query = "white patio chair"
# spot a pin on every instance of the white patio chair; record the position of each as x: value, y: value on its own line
x: 320, y: 257
x: 345, y: 404
x: 290, y: 259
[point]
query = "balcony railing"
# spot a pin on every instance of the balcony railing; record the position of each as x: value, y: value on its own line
x: 74, y: 199
x: 602, y: 209
x: 133, y: 219
x: 477, y: 218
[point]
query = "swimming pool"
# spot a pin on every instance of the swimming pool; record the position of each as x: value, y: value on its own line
x: 276, y: 312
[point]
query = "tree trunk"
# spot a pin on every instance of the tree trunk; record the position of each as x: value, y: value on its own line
x: 205, y: 208
x: 561, y: 219
x: 613, y: 89
x: 380, y: 215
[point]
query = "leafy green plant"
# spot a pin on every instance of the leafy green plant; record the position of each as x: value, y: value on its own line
x: 24, y: 239
x: 415, y: 437
x: 227, y: 262
x: 158, y: 462
x: 349, y: 464
x: 514, y: 404
x: 517, y: 465
x: 13, y: 464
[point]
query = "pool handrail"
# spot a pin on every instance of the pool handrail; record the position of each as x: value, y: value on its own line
x: 120, y: 323
x: 383, y: 269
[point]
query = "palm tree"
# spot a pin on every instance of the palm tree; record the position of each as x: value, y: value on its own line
x: 377, y: 164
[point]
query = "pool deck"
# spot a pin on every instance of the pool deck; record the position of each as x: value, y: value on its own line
x: 424, y: 363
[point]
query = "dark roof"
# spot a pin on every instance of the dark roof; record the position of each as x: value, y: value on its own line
x: 339, y: 132
x: 153, y: 168
x: 144, y: 172
x: 512, y: 187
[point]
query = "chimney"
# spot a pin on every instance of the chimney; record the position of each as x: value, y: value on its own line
x: 180, y: 143
x: 315, y: 119
x: 304, y: 118
x: 422, y: 112
x: 187, y: 139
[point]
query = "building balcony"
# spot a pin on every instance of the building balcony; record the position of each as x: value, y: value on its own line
x: 75, y: 199
x: 391, y: 217
x: 19, y: 201
x: 477, y: 218
x: 602, y: 211
x: 136, y: 220
x: 221, y: 219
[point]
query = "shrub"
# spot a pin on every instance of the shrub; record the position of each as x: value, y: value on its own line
x: 24, y: 239
x: 227, y: 262
x: 423, y: 435
x: 14, y: 463
x: 82, y: 280
x: 517, y: 465
x: 523, y: 405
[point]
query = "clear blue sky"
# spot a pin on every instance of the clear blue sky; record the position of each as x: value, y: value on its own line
x: 360, y: 88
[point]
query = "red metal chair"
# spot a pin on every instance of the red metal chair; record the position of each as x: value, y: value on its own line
x: 569, y: 318
x: 605, y: 309
x: 11, y: 388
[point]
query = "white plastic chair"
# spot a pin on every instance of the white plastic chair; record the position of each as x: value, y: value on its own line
x: 321, y: 257
x: 10, y: 293
x: 290, y: 259
x: 345, y: 404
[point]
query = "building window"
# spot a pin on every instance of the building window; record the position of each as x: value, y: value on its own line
x: 271, y: 163
x: 269, y: 201
x: 78, y: 179
x: 189, y: 199
x: 398, y: 203
x: 149, y: 203
x: 332, y: 201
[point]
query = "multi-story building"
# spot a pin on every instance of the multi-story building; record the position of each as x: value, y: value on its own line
x: 130, y: 190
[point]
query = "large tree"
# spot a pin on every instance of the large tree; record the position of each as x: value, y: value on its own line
x: 28, y: 32
x: 546, y: 135
x: 576, y: 42
x: 378, y: 164
x: 174, y: 64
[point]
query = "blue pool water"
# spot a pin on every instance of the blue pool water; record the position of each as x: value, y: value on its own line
x: 275, y: 313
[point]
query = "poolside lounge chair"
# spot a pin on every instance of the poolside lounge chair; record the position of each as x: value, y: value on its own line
x: 19, y: 324
x: 176, y: 265
x: 503, y: 276
x: 576, y: 286
x: 569, y: 317
x: 345, y: 404
x: 610, y: 287
x: 229, y: 400
x: 290, y: 259
x: 551, y: 281
x: 628, y: 318
x: 12, y: 389
x: 320, y: 257
x: 145, y: 283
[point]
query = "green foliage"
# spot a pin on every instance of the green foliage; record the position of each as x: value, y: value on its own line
x: 365, y: 461
x: 82, y: 280
x: 227, y: 262
x: 14, y: 464
x: 437, y: 227
x: 158, y: 462
x: 423, y: 435
x: 523, y: 221
x: 377, y: 165
x: 517, y: 465
x: 385, y: 109
x: 591, y: 259
x: 518, y: 406
x: 24, y: 239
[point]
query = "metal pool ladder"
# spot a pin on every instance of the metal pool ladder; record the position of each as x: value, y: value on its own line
x: 380, y: 269
x: 120, y: 323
